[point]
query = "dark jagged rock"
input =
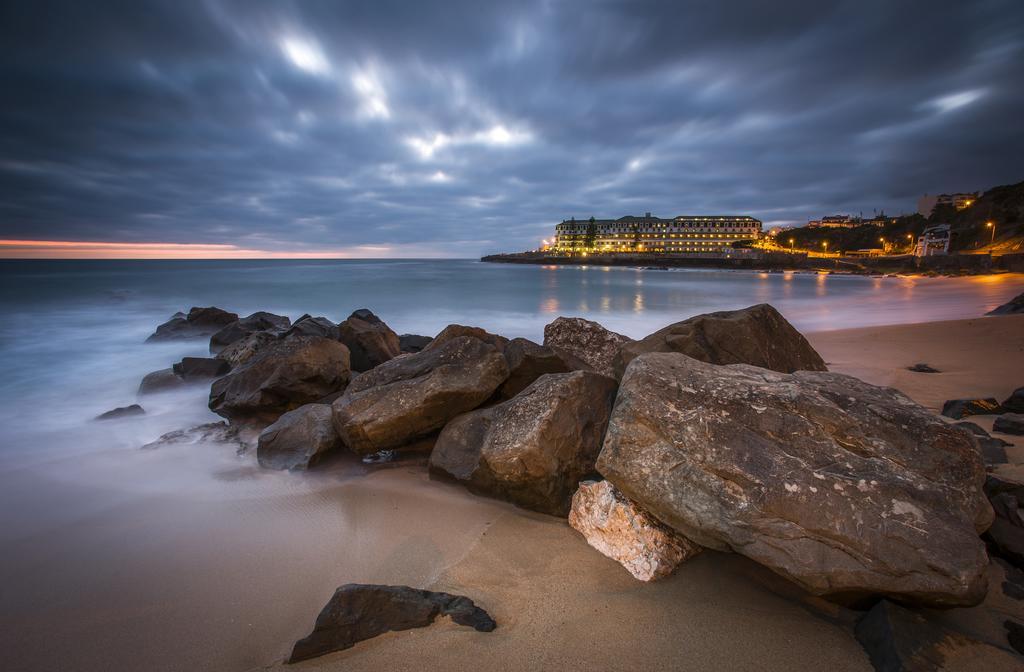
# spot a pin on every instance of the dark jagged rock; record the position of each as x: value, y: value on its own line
x: 528, y: 361
x: 160, y: 381
x: 1015, y: 402
x: 313, y: 326
x: 199, y: 322
x: 584, y: 344
x: 413, y: 342
x: 962, y: 408
x: 758, y: 335
x: 993, y: 450
x: 534, y: 449
x: 122, y: 412
x: 1015, y: 635
x: 200, y: 368
x: 284, y: 375
x: 848, y: 489
x: 211, y: 432
x: 369, y: 340
x: 1009, y: 423
x: 358, y: 612
x: 453, y: 331
x: 900, y: 640
x: 239, y: 329
x: 1013, y: 586
x: 244, y: 349
x: 922, y: 368
x: 1011, y: 307
x: 298, y: 439
x: 413, y: 396
x: 1005, y: 538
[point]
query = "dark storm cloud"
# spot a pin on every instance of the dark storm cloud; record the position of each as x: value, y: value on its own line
x: 467, y: 127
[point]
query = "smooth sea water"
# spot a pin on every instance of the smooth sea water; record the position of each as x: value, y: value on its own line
x: 72, y: 334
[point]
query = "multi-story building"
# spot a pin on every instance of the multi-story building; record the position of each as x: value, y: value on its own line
x: 933, y: 241
x: 926, y: 204
x: 647, y: 234
x: 835, y: 222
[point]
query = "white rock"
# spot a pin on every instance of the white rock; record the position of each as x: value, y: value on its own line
x: 624, y: 532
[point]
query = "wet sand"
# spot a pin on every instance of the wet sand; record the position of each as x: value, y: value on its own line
x: 225, y: 569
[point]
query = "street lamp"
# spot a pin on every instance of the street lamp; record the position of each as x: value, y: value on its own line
x: 824, y: 245
x: 992, y: 225
x: 790, y: 244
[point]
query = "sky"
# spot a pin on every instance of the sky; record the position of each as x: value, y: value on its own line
x: 239, y: 128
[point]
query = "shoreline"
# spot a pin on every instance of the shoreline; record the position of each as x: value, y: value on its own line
x: 237, y: 561
x: 785, y: 262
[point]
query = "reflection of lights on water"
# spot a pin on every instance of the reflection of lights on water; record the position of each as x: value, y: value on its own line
x: 549, y: 305
x: 606, y: 304
x: 638, y: 303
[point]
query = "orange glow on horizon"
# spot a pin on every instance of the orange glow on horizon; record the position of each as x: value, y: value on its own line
x: 68, y: 249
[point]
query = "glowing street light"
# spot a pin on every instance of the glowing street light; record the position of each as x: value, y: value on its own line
x: 791, y: 244
x: 992, y: 225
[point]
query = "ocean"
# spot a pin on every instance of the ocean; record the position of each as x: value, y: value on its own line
x: 72, y: 337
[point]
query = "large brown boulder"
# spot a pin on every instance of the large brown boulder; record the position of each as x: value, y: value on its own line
x: 528, y: 361
x: 534, y: 449
x: 457, y: 330
x: 284, y: 375
x: 408, y: 398
x: 298, y: 439
x: 199, y: 322
x: 846, y: 488
x: 758, y: 335
x: 586, y: 343
x: 239, y: 329
x: 369, y: 340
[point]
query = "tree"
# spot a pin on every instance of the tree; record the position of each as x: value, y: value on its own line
x: 591, y: 236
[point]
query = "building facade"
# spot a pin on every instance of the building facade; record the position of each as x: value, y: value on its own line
x: 934, y: 241
x: 681, y: 235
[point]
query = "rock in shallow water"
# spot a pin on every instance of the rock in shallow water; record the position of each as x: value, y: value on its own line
x: 239, y: 329
x: 122, y: 412
x: 962, y: 408
x: 413, y: 396
x: 845, y: 488
x: 160, y: 381
x: 534, y: 449
x: 369, y: 340
x: 281, y: 376
x: 758, y: 335
x: 298, y: 439
x: 200, y: 368
x: 357, y: 612
x: 1009, y: 423
x: 624, y: 532
x: 199, y: 322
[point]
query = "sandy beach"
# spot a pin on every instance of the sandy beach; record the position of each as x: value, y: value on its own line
x: 226, y: 572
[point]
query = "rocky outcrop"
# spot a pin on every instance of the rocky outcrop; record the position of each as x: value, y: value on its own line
x: 198, y: 323
x: 122, y: 412
x: 200, y: 368
x: 241, y: 328
x: 1011, y: 307
x: 845, y: 488
x: 900, y: 640
x: 160, y: 381
x: 413, y: 342
x: 1015, y: 402
x: 413, y: 396
x: 1005, y: 537
x: 298, y: 439
x: 1009, y: 423
x: 244, y: 349
x: 534, y: 449
x: 962, y: 408
x: 993, y: 450
x: 758, y: 335
x: 286, y: 374
x: 211, y: 432
x: 586, y: 342
x: 313, y: 326
x: 528, y: 361
x: 357, y: 612
x: 627, y: 534
x: 370, y: 342
x: 453, y: 331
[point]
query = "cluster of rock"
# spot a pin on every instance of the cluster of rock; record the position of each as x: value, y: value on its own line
x: 1010, y: 411
x: 724, y: 431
